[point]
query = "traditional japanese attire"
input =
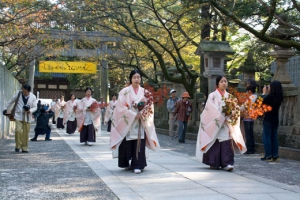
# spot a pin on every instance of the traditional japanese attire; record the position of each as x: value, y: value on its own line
x: 109, y: 113
x: 69, y: 116
x: 88, y: 121
x: 129, y: 135
x: 59, y: 114
x: 216, y: 137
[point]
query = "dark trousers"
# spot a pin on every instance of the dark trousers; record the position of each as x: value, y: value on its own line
x: 88, y: 134
x: 53, y: 120
x: 59, y: 123
x: 127, y: 152
x: 220, y: 154
x: 270, y: 139
x: 249, y: 134
x: 108, y: 125
x: 40, y: 132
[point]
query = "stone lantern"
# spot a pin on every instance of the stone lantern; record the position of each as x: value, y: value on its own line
x: 281, y: 54
x: 214, y: 53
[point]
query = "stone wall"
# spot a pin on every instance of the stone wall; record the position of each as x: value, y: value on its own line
x: 8, y: 86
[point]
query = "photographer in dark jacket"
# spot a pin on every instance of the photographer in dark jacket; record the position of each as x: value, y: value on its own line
x: 273, y: 96
x: 42, y: 125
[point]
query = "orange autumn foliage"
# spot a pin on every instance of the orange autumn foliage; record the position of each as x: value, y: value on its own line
x: 159, y: 95
x: 250, y: 109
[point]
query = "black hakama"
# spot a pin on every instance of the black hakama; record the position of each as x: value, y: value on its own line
x: 71, y: 126
x: 88, y: 134
x: 59, y: 123
x: 108, y: 125
x: 220, y: 154
x: 127, y: 151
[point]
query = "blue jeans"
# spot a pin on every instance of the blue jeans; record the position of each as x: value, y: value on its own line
x: 182, y: 130
x: 270, y: 139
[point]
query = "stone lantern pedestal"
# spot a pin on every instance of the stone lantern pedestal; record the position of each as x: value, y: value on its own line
x: 282, y: 55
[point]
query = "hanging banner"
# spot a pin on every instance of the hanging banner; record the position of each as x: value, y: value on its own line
x: 68, y: 67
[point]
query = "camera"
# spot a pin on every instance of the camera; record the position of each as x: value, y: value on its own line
x: 26, y: 107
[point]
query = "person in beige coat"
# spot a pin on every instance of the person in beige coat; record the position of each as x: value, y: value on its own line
x: 26, y: 105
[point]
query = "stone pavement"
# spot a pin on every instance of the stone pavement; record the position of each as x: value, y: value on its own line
x: 66, y: 169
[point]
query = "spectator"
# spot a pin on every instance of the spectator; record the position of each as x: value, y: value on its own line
x: 171, y: 104
x: 26, y: 104
x: 183, y: 110
x: 273, y: 96
x: 249, y: 123
x: 42, y: 125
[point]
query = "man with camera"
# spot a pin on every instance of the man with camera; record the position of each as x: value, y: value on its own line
x: 42, y: 125
x: 25, y: 105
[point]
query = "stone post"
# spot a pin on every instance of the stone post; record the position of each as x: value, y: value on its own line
x: 31, y: 70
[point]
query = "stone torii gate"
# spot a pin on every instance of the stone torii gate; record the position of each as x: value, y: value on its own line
x: 101, y: 40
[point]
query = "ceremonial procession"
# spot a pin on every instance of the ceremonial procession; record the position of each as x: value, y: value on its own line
x: 149, y: 100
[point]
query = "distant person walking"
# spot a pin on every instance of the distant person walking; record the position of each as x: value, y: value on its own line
x: 103, y: 110
x: 109, y: 111
x: 59, y: 112
x: 25, y: 105
x: 70, y: 115
x: 171, y: 105
x: 88, y: 118
x: 52, y: 107
x: 183, y: 110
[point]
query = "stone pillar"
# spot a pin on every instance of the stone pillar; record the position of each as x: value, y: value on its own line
x: 104, y: 80
x: 211, y: 82
x: 30, y: 75
x: 282, y: 55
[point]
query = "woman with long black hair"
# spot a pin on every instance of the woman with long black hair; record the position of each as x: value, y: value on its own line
x: 133, y: 125
x: 273, y: 96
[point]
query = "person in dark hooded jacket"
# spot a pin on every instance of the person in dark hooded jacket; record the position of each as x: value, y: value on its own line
x: 42, y: 125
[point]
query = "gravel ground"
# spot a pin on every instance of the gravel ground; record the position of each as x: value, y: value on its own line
x: 51, y: 170
x: 285, y: 171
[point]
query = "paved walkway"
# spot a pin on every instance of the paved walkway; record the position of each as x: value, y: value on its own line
x: 169, y: 175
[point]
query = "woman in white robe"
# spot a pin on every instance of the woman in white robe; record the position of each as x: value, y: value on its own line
x: 59, y: 112
x: 109, y: 111
x: 70, y: 115
x: 133, y: 128
x: 88, y: 118
x: 216, y: 137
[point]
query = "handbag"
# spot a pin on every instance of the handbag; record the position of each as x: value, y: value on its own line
x: 11, y: 114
